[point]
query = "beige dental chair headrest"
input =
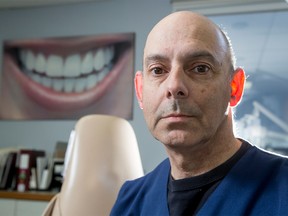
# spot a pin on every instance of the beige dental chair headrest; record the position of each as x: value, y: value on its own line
x: 104, y: 154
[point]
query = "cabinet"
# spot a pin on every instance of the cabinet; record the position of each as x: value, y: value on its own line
x: 23, y: 204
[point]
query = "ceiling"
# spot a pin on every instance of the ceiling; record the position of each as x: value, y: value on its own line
x: 32, y: 3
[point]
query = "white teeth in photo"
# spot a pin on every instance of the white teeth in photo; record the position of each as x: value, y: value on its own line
x: 73, y: 73
x: 70, y: 85
x: 87, y: 63
x: 40, y: 63
x: 70, y: 66
x: 54, y: 66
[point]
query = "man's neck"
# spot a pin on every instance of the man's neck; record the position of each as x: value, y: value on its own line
x: 196, y: 162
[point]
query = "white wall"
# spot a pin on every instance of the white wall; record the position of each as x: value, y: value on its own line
x: 109, y: 16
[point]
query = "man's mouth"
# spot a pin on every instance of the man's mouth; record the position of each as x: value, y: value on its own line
x: 68, y: 75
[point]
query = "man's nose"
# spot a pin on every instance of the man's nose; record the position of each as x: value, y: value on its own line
x: 176, y: 84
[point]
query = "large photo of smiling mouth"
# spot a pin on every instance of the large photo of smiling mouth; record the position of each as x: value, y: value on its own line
x: 68, y: 74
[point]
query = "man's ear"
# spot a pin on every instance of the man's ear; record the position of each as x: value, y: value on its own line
x: 237, y: 87
x: 138, y: 82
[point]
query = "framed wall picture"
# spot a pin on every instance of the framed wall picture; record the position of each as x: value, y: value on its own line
x: 68, y: 77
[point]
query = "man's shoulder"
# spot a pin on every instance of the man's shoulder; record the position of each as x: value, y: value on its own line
x: 268, y: 156
x: 148, y: 178
x: 144, y: 195
x: 265, y: 161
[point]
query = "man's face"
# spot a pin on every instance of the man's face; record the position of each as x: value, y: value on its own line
x: 186, y: 83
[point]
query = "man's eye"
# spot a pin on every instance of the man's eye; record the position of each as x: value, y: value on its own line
x: 201, y: 69
x: 157, y: 71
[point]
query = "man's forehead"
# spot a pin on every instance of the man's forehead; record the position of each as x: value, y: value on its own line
x: 167, y: 38
x: 193, y: 45
x: 182, y: 22
x: 184, y: 26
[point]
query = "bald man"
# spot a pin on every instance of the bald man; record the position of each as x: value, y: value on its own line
x: 187, y: 90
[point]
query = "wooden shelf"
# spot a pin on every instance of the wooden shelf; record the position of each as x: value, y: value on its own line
x: 28, y: 195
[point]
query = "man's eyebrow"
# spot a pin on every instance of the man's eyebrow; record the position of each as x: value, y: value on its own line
x: 188, y: 56
x: 155, y: 58
x: 201, y: 54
